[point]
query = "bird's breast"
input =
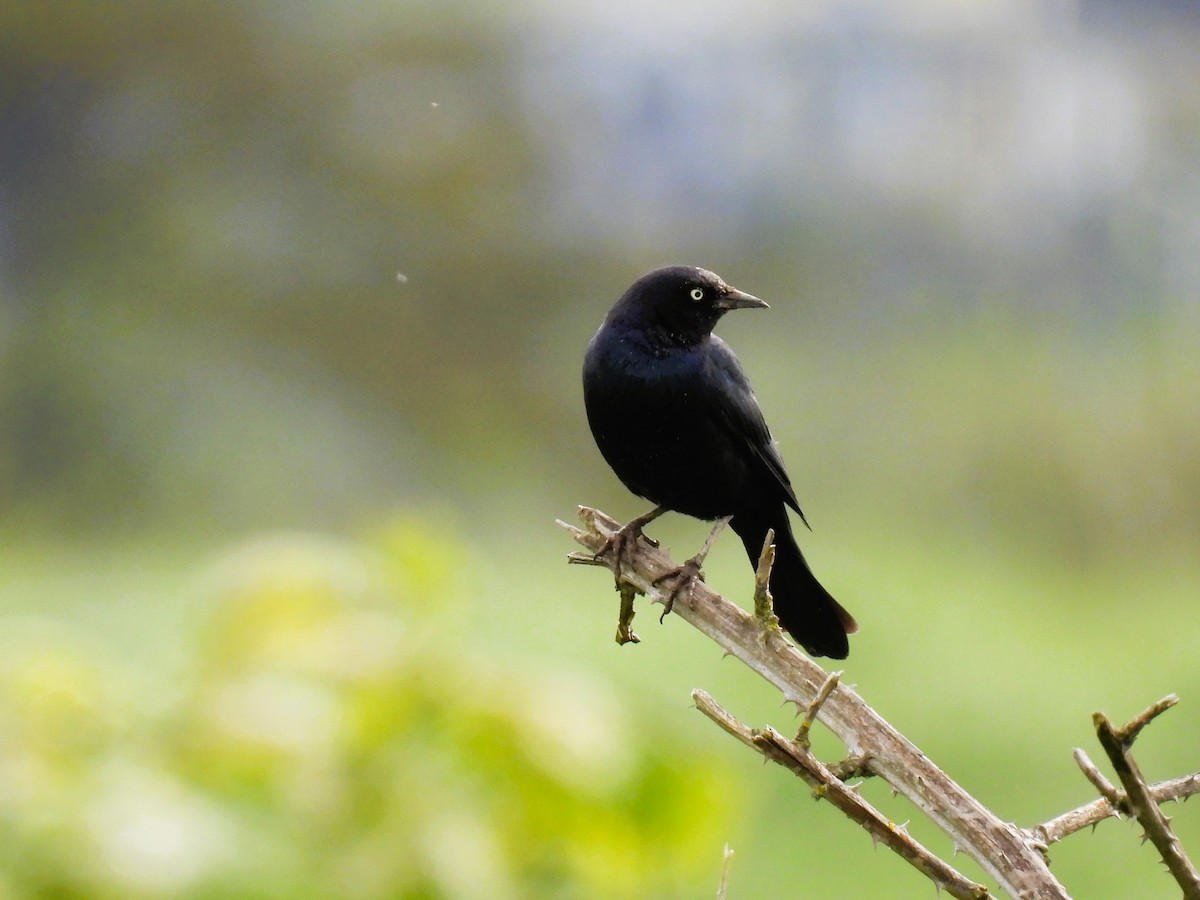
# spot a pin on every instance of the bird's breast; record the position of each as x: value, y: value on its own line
x: 656, y: 426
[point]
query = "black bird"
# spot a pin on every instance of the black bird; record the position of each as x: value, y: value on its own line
x: 673, y: 414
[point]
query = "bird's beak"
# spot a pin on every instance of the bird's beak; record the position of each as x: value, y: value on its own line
x: 736, y: 299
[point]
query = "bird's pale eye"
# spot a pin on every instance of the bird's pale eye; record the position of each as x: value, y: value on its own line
x: 697, y: 294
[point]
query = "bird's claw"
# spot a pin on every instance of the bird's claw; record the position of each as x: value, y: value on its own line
x: 622, y: 541
x: 684, y: 577
x: 621, y: 544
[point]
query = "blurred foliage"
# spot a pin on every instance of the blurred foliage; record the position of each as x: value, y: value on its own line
x: 333, y: 735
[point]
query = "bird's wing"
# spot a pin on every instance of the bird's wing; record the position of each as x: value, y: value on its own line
x: 738, y: 412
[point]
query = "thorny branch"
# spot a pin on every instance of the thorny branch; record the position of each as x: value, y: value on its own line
x: 1097, y: 811
x: 1013, y: 856
x: 1117, y: 743
x: 826, y: 786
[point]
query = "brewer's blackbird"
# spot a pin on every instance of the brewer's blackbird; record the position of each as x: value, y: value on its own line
x: 673, y: 414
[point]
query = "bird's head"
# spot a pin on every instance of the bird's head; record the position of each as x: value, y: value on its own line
x: 683, y: 303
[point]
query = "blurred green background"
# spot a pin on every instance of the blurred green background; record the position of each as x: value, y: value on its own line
x: 293, y: 298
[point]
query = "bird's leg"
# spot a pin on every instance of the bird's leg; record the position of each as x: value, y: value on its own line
x: 622, y: 541
x: 684, y: 575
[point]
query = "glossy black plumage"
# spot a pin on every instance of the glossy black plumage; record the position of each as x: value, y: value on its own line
x: 673, y: 414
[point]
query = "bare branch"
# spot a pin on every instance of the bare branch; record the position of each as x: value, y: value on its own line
x: 1129, y: 733
x: 1117, y: 744
x: 625, y: 633
x: 1114, y: 797
x: 1098, y: 810
x: 764, y: 611
x: 826, y: 786
x: 814, y: 707
x: 1014, y: 857
x: 1003, y: 850
x: 723, y: 886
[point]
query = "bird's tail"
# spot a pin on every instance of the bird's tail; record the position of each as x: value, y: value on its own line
x: 805, y: 609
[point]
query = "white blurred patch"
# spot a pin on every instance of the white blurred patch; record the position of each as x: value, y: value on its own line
x: 278, y: 712
x: 578, y: 733
x: 465, y: 857
x: 152, y: 833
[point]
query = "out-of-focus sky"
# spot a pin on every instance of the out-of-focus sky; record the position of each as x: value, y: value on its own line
x: 407, y: 218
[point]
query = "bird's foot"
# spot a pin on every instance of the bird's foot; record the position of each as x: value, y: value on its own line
x: 683, y: 577
x: 689, y: 573
x: 620, y: 545
x: 622, y: 542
